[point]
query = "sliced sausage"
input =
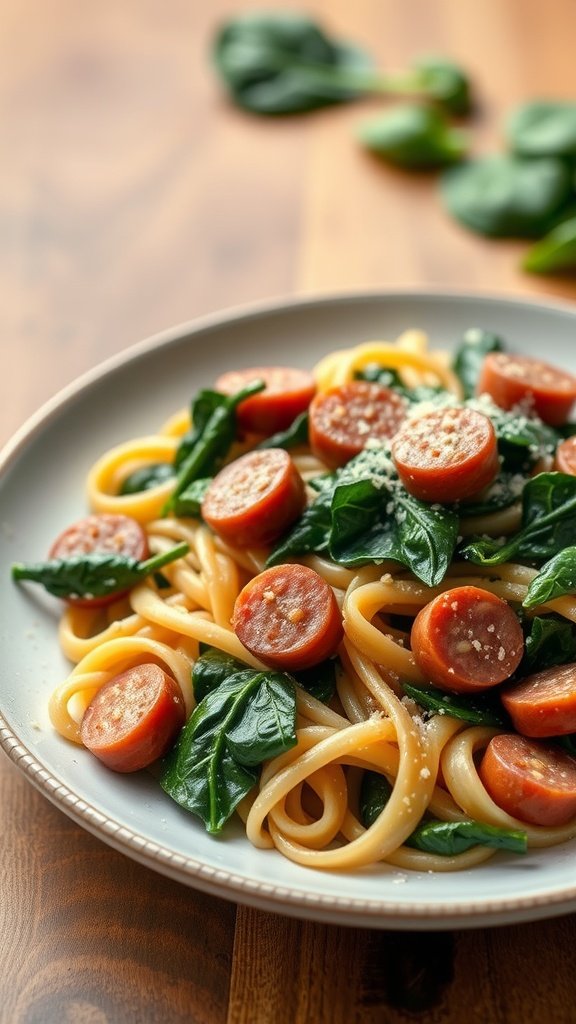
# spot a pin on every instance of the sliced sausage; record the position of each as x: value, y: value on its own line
x: 446, y: 455
x: 107, y: 532
x: 254, y: 499
x: 544, y: 704
x: 466, y: 640
x: 288, y: 617
x: 134, y: 718
x: 344, y: 418
x: 511, y: 380
x: 288, y: 393
x: 565, y: 459
x: 532, y: 781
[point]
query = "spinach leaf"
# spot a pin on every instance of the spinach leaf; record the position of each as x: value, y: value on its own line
x: 548, y: 517
x: 549, y: 641
x: 478, y: 710
x: 211, y: 437
x: 375, y: 792
x: 383, y: 375
x: 374, y: 519
x: 320, y: 680
x: 283, y: 63
x: 413, y: 135
x: 295, y: 434
x: 503, y: 492
x: 363, y: 515
x: 507, y: 196
x: 446, y: 838
x: 189, y: 502
x: 310, y: 533
x: 449, y: 838
x: 543, y: 129
x: 556, y: 251
x: 214, y: 666
x: 556, y: 578
x: 475, y: 345
x: 147, y: 477
x: 522, y: 440
x: 95, y: 574
x: 246, y: 719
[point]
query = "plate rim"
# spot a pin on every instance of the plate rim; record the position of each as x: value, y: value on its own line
x: 290, y: 899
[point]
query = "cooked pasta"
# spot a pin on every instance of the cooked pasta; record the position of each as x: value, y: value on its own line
x: 307, y: 802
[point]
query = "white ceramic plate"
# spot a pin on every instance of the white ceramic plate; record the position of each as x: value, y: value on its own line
x: 41, y: 490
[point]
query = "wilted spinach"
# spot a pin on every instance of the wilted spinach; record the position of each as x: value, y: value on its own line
x: 363, y: 515
x: 295, y: 434
x: 478, y: 710
x: 214, y: 667
x: 446, y: 838
x: 413, y: 135
x: 545, y: 128
x: 556, y: 578
x: 549, y: 640
x: 203, y: 450
x: 147, y: 477
x: 548, y: 517
x: 95, y: 574
x: 284, y: 62
x: 507, y: 196
x: 475, y: 345
x: 245, y: 719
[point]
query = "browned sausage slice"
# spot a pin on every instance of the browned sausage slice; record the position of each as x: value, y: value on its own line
x: 532, y: 781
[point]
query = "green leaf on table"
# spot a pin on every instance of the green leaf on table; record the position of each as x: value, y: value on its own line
x: 543, y: 128
x: 413, y: 135
x: 555, y: 252
x: 284, y: 63
x: 443, y: 81
x: 507, y: 196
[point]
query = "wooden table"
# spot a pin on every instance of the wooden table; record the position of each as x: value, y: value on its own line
x: 132, y: 197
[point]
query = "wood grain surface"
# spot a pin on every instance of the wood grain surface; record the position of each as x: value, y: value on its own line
x: 132, y: 197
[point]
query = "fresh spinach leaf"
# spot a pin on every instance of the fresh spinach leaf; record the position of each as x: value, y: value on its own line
x: 549, y: 640
x: 478, y: 710
x: 214, y: 666
x: 211, y: 439
x: 295, y: 434
x: 283, y: 63
x: 147, y: 477
x: 413, y: 135
x: 555, y: 252
x: 507, y: 196
x: 548, y: 517
x: 556, y: 578
x: 544, y: 128
x: 247, y: 719
x: 475, y: 345
x: 449, y: 838
x: 95, y: 574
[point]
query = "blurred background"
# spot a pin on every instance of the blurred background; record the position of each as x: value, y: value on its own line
x: 135, y: 195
